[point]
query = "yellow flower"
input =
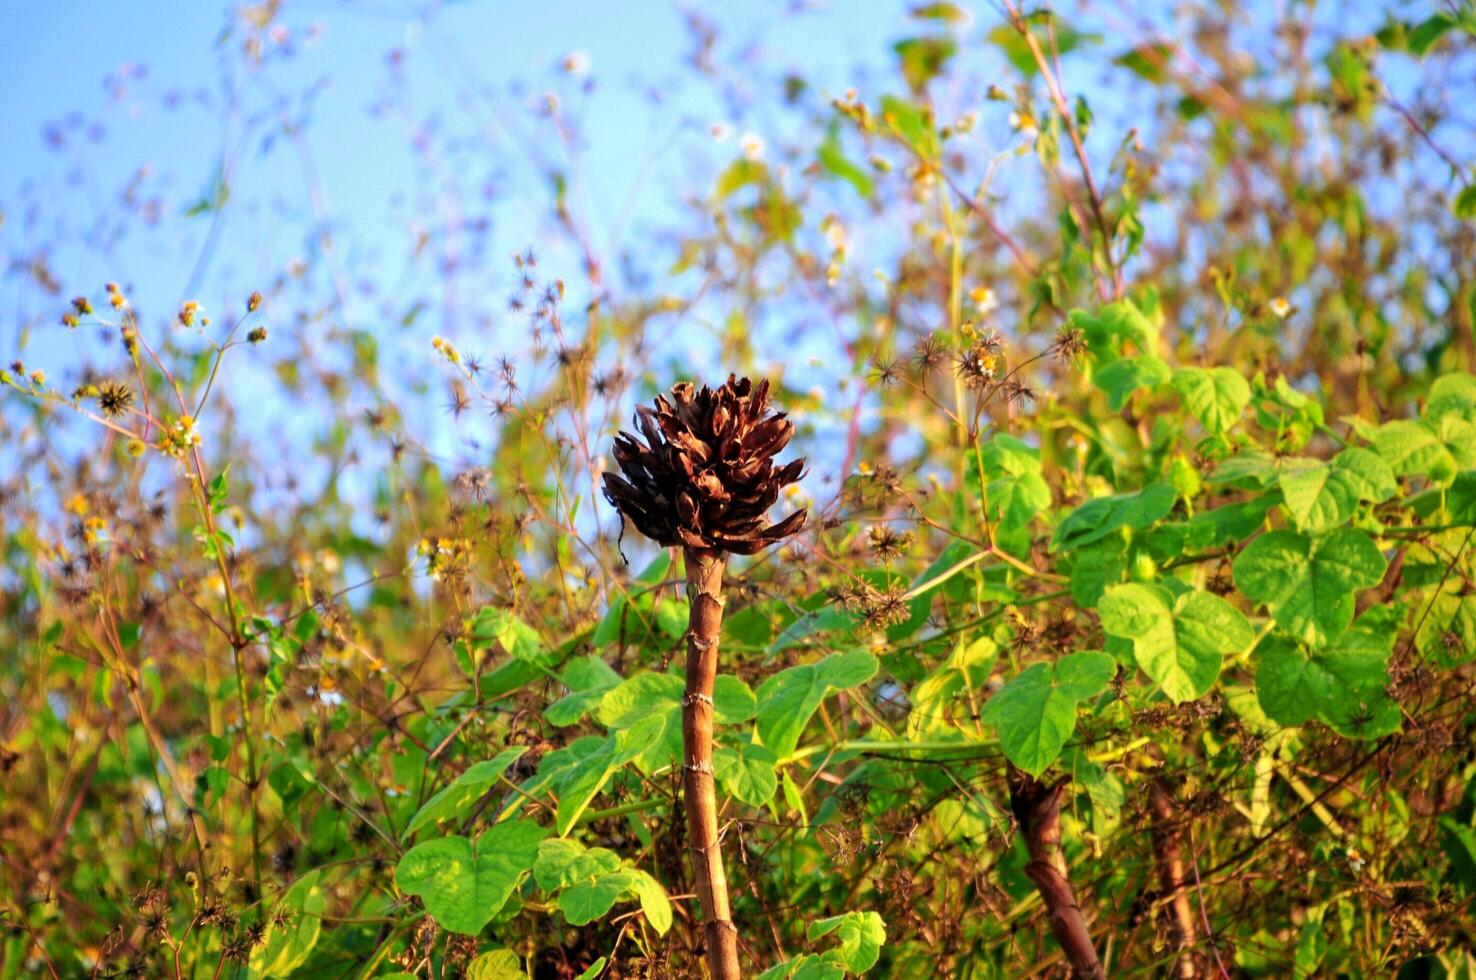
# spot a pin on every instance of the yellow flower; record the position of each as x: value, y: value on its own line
x: 93, y: 529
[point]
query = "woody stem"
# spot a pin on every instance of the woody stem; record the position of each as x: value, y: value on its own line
x: 704, y: 592
x: 1166, y: 842
x: 1037, y: 809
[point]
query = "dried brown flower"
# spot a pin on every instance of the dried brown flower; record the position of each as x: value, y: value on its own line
x: 701, y: 474
x: 114, y: 399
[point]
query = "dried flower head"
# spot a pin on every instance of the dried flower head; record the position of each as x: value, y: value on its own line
x: 1070, y: 345
x: 114, y: 399
x: 887, y: 542
x: 703, y: 476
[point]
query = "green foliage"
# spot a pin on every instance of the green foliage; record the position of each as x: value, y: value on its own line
x: 1173, y: 512
x: 465, y: 884
x: 1036, y: 711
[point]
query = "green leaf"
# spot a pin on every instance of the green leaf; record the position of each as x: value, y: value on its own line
x: 1122, y: 377
x: 1017, y: 49
x: 861, y: 936
x: 502, y: 626
x: 562, y: 862
x: 1179, y: 642
x: 1309, y: 583
x: 1428, y: 32
x: 458, y: 797
x: 286, y: 947
x: 654, y: 901
x: 587, y: 678
x: 1016, y: 491
x: 1446, y: 627
x: 651, y: 695
x: 593, y: 879
x: 1322, y: 496
x: 805, y: 967
x: 1452, y: 394
x: 913, y: 124
x: 588, y: 776
x: 220, y: 489
x: 747, y: 771
x: 1343, y: 685
x: 786, y: 700
x: 464, y: 885
x: 1097, y: 518
x: 1435, y: 448
x: 1113, y: 327
x: 741, y: 173
x: 1216, y: 396
x: 934, y: 697
x: 827, y: 617
x: 499, y: 964
x: 923, y: 58
x: 1035, y: 712
x: 1464, y: 203
x: 834, y: 161
x: 588, y: 900
x: 1147, y: 60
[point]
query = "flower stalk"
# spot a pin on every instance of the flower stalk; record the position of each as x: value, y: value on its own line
x: 700, y: 476
x: 704, y: 592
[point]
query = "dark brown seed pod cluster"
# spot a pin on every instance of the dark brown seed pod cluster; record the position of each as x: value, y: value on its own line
x: 701, y: 473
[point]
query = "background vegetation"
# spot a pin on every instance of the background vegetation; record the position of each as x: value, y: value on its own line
x: 1130, y: 351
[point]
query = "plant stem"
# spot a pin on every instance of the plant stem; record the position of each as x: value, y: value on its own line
x: 704, y: 592
x: 1171, y: 876
x: 1037, y: 809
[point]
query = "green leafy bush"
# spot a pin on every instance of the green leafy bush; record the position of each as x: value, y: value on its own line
x: 1139, y: 564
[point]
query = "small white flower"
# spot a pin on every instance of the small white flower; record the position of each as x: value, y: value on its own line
x: 753, y: 146
x: 1281, y: 307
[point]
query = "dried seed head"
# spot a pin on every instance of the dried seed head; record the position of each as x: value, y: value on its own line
x: 701, y: 473
x: 114, y: 399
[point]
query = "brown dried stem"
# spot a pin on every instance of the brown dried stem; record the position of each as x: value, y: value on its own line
x: 704, y: 591
x: 1166, y: 843
x: 1037, y: 809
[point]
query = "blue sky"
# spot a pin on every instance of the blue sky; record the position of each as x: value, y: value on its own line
x: 118, y: 116
x: 63, y: 56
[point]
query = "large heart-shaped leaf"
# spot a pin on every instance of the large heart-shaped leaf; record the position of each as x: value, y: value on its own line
x: 463, y: 885
x: 1321, y: 496
x: 1216, y: 396
x: 1309, y: 583
x: 1178, y: 642
x: 1036, y: 711
x: 747, y: 772
x: 1126, y: 375
x: 1435, y: 448
x: 860, y: 934
x: 591, y: 880
x: 1343, y: 685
